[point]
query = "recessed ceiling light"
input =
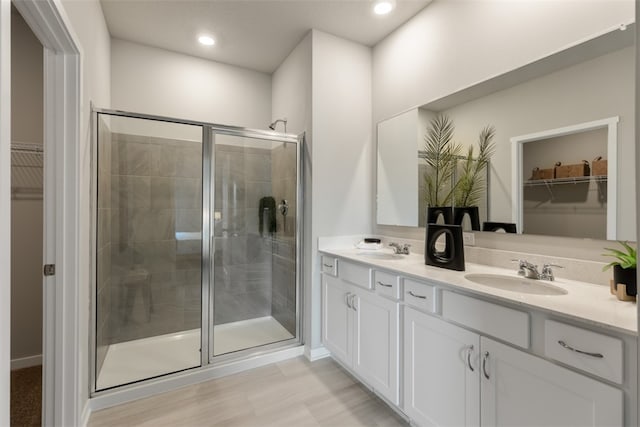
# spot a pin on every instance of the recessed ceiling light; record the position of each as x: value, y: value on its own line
x: 206, y: 40
x: 383, y: 7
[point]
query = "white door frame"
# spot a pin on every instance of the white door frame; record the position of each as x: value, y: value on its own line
x: 5, y: 209
x: 62, y: 94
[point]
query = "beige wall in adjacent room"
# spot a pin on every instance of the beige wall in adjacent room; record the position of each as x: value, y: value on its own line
x: 26, y: 215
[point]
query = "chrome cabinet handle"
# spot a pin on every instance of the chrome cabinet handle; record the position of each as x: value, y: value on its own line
x: 586, y: 353
x: 353, y: 302
x: 469, y: 351
x: 484, y: 364
x: 416, y: 295
x: 384, y: 284
x: 348, y: 299
x: 327, y: 265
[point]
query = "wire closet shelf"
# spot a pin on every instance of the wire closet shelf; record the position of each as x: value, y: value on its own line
x: 26, y: 171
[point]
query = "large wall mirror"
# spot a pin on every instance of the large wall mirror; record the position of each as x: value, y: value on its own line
x: 564, y: 162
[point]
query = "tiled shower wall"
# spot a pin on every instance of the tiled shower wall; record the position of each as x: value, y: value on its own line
x: 149, y: 219
x: 155, y: 239
x: 283, y: 299
x: 242, y: 261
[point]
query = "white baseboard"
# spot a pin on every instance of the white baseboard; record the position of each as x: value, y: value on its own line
x: 313, y: 354
x: 26, y: 362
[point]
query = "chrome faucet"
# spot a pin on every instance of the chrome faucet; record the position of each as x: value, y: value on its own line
x: 400, y: 249
x: 527, y: 269
x: 547, y: 272
x: 530, y: 271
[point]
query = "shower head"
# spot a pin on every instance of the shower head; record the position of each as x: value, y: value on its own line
x: 272, y: 126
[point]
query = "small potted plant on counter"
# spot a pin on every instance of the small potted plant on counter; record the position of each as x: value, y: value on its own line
x: 623, y: 284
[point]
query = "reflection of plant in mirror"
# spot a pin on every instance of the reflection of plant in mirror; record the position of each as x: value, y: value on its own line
x: 627, y: 259
x: 440, y: 155
x: 470, y: 185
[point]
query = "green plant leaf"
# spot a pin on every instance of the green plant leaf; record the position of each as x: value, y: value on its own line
x: 440, y: 154
x: 626, y: 259
x: 471, y: 183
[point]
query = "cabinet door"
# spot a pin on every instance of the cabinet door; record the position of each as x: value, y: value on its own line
x: 336, y: 330
x: 376, y: 343
x: 441, y: 372
x: 519, y: 389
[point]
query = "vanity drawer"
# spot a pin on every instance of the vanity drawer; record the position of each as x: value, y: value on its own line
x: 491, y: 319
x: 386, y: 284
x: 586, y: 350
x: 329, y: 265
x: 356, y: 274
x: 420, y: 295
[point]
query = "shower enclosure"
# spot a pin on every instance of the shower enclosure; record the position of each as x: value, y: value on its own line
x: 197, y: 245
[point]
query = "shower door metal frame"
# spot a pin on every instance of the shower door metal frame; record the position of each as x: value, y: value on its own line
x: 208, y: 199
x: 269, y: 136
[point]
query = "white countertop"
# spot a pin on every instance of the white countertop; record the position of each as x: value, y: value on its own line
x: 584, y: 302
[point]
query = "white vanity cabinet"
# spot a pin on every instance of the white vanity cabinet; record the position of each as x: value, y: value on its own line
x: 362, y: 330
x: 376, y: 337
x: 441, y: 373
x: 470, y: 359
x: 337, y: 328
x: 520, y: 389
x: 455, y: 377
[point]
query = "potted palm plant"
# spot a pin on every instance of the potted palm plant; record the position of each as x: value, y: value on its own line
x: 440, y: 154
x: 624, y: 267
x: 472, y: 181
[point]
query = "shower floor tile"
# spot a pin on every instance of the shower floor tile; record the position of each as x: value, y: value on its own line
x: 145, y: 358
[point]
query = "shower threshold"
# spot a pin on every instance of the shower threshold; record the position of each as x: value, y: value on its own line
x: 137, y: 360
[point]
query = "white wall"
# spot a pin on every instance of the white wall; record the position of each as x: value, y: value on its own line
x: 291, y: 89
x: 342, y: 148
x: 26, y: 215
x: 291, y: 98
x: 87, y: 22
x: 451, y: 45
x: 155, y: 81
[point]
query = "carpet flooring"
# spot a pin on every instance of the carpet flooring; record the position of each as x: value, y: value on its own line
x: 26, y: 396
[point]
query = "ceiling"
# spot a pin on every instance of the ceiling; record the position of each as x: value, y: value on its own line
x: 255, y: 34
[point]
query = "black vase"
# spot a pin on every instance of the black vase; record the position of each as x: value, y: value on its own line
x: 472, y: 211
x: 626, y: 276
x: 452, y: 255
x: 434, y: 212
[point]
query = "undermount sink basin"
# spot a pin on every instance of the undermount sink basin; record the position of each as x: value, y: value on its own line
x: 380, y: 255
x: 516, y: 284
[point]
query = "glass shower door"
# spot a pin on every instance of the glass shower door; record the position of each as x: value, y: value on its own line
x: 149, y: 249
x: 254, y: 193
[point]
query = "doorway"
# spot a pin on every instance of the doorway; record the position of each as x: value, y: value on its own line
x: 27, y: 154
